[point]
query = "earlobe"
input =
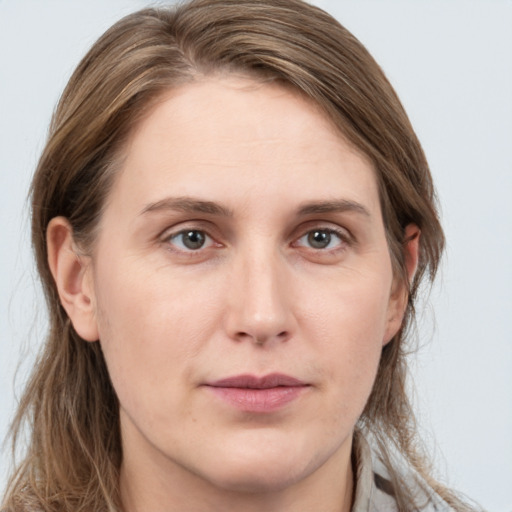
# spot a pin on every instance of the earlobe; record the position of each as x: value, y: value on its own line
x: 72, y: 275
x: 400, y: 295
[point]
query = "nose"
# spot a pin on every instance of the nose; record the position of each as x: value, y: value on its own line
x: 260, y: 309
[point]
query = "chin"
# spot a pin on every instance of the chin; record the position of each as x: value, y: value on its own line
x: 262, y: 480
x: 263, y: 469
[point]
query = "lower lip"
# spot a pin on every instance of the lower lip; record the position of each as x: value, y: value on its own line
x: 258, y: 400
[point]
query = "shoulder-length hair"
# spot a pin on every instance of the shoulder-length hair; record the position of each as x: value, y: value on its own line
x: 74, y: 452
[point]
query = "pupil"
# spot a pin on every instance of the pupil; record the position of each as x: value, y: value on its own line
x: 193, y: 239
x: 319, y: 239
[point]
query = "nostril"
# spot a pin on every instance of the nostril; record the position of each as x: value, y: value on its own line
x: 261, y: 339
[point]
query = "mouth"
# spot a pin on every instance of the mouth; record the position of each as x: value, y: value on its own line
x: 265, y: 394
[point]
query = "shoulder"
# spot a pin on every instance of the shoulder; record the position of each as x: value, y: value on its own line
x: 375, y: 491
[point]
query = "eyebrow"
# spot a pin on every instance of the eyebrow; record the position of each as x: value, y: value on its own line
x: 192, y: 205
x: 188, y: 205
x: 334, y: 206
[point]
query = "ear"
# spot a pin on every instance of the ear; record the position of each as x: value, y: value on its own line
x: 400, y: 293
x: 73, y: 276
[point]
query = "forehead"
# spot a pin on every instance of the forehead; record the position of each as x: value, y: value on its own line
x: 234, y: 138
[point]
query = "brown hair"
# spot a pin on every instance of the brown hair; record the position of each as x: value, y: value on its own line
x: 74, y: 453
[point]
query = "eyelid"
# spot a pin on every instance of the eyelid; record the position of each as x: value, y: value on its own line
x: 340, y: 236
x: 344, y: 233
x: 173, y: 238
x: 186, y: 225
x: 169, y: 233
x: 345, y: 236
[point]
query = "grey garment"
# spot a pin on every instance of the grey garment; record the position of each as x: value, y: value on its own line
x: 374, y: 491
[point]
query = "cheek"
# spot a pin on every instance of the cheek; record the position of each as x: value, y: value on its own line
x: 137, y: 301
x: 349, y: 309
x: 151, y: 334
x: 349, y: 321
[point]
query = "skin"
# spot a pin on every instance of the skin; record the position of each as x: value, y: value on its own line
x: 258, y: 297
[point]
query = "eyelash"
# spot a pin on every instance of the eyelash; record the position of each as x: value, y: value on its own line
x: 184, y: 232
x: 344, y: 240
x: 342, y: 237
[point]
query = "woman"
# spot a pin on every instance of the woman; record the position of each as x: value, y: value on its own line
x: 231, y: 220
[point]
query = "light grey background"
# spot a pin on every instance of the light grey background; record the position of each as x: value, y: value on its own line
x: 451, y: 63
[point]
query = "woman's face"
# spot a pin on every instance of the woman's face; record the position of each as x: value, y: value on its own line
x: 241, y: 288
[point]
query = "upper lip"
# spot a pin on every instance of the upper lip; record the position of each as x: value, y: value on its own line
x: 271, y: 380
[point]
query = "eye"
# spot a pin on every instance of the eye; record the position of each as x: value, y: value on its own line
x: 321, y: 239
x: 190, y: 240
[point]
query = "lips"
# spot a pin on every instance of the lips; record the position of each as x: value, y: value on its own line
x: 272, y: 380
x: 265, y: 394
